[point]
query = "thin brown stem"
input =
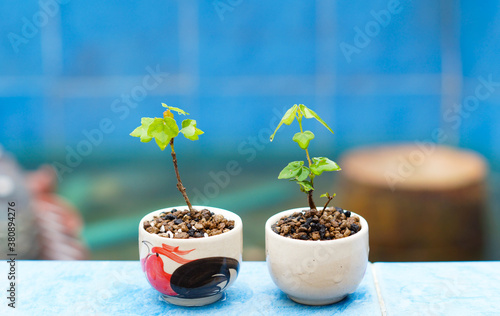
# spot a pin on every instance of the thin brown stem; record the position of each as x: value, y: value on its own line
x: 312, y: 206
x: 330, y: 198
x: 181, y: 188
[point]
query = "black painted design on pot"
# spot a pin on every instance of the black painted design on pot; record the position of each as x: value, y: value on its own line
x: 203, y: 277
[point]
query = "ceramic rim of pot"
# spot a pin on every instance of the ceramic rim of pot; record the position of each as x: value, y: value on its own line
x: 276, y: 217
x: 227, y: 214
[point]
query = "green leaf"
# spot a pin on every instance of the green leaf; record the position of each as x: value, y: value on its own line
x: 305, y: 186
x: 163, y: 130
x: 308, y: 113
x: 327, y: 195
x: 295, y: 171
x: 303, y: 174
x: 142, y: 131
x: 172, y: 108
x: 291, y: 170
x: 189, y: 129
x: 321, y: 164
x: 287, y: 119
x: 303, y: 139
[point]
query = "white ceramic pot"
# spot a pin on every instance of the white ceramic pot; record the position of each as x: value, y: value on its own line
x: 316, y: 272
x: 191, y: 272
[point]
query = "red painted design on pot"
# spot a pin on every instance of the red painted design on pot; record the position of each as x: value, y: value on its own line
x: 156, y: 276
x: 193, y: 279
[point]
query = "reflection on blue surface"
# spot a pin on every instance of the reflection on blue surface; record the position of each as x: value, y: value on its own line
x: 119, y: 287
x: 452, y: 288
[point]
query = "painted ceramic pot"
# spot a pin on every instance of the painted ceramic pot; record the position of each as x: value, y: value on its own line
x: 316, y: 272
x: 191, y: 272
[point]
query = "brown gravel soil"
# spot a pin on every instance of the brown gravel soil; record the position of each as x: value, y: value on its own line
x: 185, y: 224
x: 332, y: 223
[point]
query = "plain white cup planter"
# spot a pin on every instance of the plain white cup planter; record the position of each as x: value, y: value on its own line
x: 316, y: 272
x: 191, y: 272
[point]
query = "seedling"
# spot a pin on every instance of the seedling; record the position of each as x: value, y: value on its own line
x: 164, y: 130
x: 295, y: 170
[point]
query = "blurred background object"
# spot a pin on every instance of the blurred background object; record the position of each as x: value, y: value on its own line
x: 58, y: 222
x: 45, y: 226
x: 423, y: 202
x: 22, y: 237
x: 75, y: 77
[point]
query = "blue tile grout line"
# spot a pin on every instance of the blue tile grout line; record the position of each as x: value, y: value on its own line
x: 51, y: 45
x: 381, y: 302
x: 189, y: 42
x: 451, y: 67
x: 92, y: 86
x: 325, y: 23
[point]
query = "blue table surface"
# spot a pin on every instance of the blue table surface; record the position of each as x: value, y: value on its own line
x: 120, y: 288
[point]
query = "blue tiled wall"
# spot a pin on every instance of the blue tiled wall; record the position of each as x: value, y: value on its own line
x: 408, y: 44
x: 231, y: 65
x: 416, y: 117
x: 258, y: 39
x: 480, y: 45
x: 27, y: 60
x: 103, y: 38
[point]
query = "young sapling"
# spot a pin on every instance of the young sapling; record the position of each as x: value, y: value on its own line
x: 164, y: 130
x: 296, y: 171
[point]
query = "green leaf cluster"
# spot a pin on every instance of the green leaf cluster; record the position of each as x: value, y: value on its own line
x: 173, y: 108
x: 295, y: 170
x: 298, y: 112
x: 163, y: 130
x: 303, y: 138
x: 322, y: 164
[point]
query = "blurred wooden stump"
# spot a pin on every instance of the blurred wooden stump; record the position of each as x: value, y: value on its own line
x: 422, y: 202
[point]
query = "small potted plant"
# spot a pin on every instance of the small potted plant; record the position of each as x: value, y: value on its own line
x: 317, y: 256
x: 190, y: 254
